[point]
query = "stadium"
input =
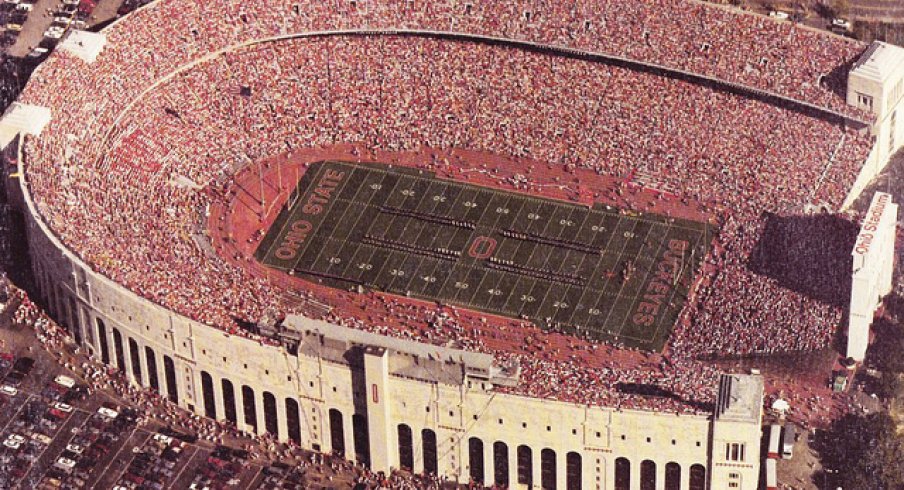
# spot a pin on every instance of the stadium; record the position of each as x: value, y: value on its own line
x: 495, y: 242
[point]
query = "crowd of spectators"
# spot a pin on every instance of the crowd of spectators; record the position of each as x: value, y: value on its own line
x: 696, y: 37
x: 116, y: 172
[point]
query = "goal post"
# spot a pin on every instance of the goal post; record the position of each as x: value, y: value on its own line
x: 293, y: 197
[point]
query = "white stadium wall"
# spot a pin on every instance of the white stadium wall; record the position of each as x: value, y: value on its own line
x: 873, y: 258
x: 86, y: 302
x: 876, y: 85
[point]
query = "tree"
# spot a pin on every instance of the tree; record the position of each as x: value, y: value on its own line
x: 885, y: 353
x: 867, y: 449
x: 889, y: 385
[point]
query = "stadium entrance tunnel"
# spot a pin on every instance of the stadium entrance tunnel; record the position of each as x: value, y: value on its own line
x: 575, y: 266
x: 807, y: 254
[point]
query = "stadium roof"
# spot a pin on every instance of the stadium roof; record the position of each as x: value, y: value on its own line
x: 740, y: 397
x: 22, y: 118
x: 475, y: 363
x: 84, y: 45
x: 879, y: 62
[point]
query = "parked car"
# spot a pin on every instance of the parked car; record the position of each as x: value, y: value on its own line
x: 54, y: 32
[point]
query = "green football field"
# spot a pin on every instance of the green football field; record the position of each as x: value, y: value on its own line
x: 594, y: 272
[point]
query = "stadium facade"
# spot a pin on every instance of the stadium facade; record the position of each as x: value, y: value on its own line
x: 398, y: 404
x: 392, y: 403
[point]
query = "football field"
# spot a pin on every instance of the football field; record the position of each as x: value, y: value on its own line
x: 598, y: 272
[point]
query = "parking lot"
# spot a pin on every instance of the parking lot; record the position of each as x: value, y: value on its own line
x: 53, y: 434
x: 32, y: 28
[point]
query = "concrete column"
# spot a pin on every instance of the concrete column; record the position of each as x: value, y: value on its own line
x: 489, y: 475
x: 376, y: 375
x: 282, y: 421
x: 513, y: 466
x: 417, y: 449
x: 312, y: 424
x: 143, y: 362
x: 219, y: 404
x: 608, y: 470
x: 348, y: 434
x: 108, y: 336
x: 590, y: 473
x: 78, y: 318
x: 89, y: 332
x: 198, y: 385
x: 660, y: 475
x: 239, y: 406
x: 561, y: 472
x: 259, y: 411
x: 158, y: 370
x: 535, y: 466
x: 451, y: 459
x: 61, y: 306
x: 635, y: 474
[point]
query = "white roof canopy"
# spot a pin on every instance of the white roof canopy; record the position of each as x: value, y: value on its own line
x: 879, y: 62
x: 84, y: 45
x: 22, y: 118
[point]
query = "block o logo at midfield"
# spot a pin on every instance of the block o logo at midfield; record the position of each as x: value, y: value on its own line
x: 482, y: 247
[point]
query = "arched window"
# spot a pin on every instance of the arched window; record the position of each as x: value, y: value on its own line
x: 229, y: 409
x: 428, y: 439
x: 293, y: 422
x: 172, y: 390
x: 120, y: 352
x: 271, y: 424
x: 647, y: 475
x: 361, y: 436
x: 250, y: 407
x: 525, y: 466
x: 210, y: 404
x: 135, y: 354
x: 500, y: 464
x: 548, y: 469
x: 475, y: 459
x: 337, y: 433
x: 102, y: 340
x: 622, y: 474
x: 406, y: 448
x: 573, y: 474
x: 698, y: 477
x: 151, y: 359
x: 673, y: 476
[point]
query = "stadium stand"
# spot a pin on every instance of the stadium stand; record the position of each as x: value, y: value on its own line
x: 145, y: 169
